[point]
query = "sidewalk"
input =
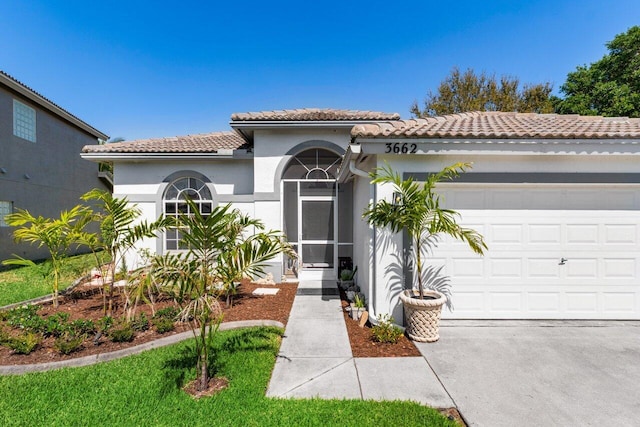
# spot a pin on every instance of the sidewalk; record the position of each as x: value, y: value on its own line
x: 315, y: 359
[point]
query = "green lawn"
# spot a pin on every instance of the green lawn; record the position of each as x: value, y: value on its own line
x: 145, y: 390
x: 21, y: 284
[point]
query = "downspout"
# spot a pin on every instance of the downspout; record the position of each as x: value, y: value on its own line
x: 372, y: 238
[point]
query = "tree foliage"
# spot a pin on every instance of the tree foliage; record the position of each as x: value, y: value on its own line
x: 56, y: 234
x: 418, y: 212
x: 466, y: 91
x: 224, y: 246
x: 120, y: 230
x: 610, y: 86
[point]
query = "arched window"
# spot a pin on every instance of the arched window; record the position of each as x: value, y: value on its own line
x: 174, y: 204
x: 313, y: 164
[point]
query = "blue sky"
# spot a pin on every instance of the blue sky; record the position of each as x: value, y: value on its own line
x: 139, y: 69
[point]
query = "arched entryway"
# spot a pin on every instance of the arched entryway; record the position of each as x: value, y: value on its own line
x: 316, y: 214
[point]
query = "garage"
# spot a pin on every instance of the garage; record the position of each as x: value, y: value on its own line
x: 556, y: 251
x: 557, y: 199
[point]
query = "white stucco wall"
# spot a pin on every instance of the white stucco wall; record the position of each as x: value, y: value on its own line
x: 593, y: 160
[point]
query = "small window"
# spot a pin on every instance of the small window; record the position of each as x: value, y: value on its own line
x: 6, y: 208
x: 24, y: 121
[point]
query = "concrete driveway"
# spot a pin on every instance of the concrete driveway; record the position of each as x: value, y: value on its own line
x: 540, y: 373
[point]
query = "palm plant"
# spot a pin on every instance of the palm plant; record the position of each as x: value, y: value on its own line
x: 119, y: 233
x: 220, y: 251
x: 417, y: 211
x: 57, y: 235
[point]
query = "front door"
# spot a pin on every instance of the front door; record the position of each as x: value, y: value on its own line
x: 310, y: 212
x: 317, y: 238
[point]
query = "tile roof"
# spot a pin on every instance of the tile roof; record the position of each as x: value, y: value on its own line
x: 313, y: 114
x: 201, y: 143
x: 481, y: 125
x: 38, y: 98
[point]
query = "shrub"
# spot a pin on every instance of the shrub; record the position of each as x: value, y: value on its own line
x: 83, y: 327
x: 170, y: 313
x: 26, y: 317
x: 105, y: 324
x: 25, y: 343
x: 385, y: 331
x: 121, y: 332
x: 68, y: 343
x: 140, y: 323
x: 56, y: 324
x: 4, y: 336
x: 163, y: 325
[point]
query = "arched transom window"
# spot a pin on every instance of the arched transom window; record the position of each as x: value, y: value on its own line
x: 313, y: 164
x: 174, y: 203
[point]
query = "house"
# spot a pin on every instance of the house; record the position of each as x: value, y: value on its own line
x: 556, y: 197
x: 40, y: 168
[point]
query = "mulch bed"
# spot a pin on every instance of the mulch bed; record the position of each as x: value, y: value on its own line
x: 363, y: 344
x: 85, y: 302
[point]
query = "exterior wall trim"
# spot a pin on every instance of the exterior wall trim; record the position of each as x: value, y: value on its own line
x: 535, y: 178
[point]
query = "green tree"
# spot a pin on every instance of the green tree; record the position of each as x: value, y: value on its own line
x: 610, y: 86
x: 467, y: 91
x: 221, y: 250
x: 57, y: 235
x: 119, y: 232
x: 417, y: 211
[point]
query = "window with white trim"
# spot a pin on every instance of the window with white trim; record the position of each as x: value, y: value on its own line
x: 174, y: 204
x: 6, y: 208
x: 24, y: 121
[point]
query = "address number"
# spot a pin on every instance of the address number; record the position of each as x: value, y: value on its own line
x: 399, y: 148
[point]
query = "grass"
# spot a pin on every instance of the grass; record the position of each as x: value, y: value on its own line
x: 21, y: 284
x: 145, y: 390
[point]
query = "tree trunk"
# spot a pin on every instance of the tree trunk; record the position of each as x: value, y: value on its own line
x: 419, y: 268
x: 204, y: 376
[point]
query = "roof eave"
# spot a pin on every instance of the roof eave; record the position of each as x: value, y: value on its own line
x: 496, y: 140
x: 48, y: 105
x: 268, y: 124
x: 111, y: 157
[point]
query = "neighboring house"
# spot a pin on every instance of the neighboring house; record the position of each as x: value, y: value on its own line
x: 556, y: 197
x: 40, y: 168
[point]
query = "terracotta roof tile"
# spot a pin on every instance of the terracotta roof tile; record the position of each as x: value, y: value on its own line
x: 505, y: 125
x: 201, y: 143
x: 314, y: 114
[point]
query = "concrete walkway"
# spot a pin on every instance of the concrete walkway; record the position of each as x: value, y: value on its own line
x: 315, y: 358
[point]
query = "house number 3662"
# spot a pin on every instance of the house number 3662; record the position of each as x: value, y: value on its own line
x: 401, y: 148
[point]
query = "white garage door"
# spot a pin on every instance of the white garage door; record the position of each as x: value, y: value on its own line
x: 555, y: 251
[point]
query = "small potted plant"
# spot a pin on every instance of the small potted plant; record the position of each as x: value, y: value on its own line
x: 347, y: 278
x: 358, y: 306
x: 416, y: 210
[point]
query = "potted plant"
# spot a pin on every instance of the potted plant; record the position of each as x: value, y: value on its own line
x: 358, y: 306
x: 416, y: 210
x: 347, y: 277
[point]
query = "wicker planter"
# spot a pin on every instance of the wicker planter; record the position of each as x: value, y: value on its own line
x: 422, y: 316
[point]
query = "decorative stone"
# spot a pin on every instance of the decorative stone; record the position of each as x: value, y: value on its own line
x: 267, y: 280
x: 266, y: 291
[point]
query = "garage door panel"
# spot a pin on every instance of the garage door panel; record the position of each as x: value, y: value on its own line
x: 619, y: 302
x: 544, y: 234
x: 582, y: 234
x: 615, y: 268
x: 505, y: 267
x: 620, y: 234
x: 506, y: 302
x: 582, y: 268
x: 529, y: 231
x: 582, y: 302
